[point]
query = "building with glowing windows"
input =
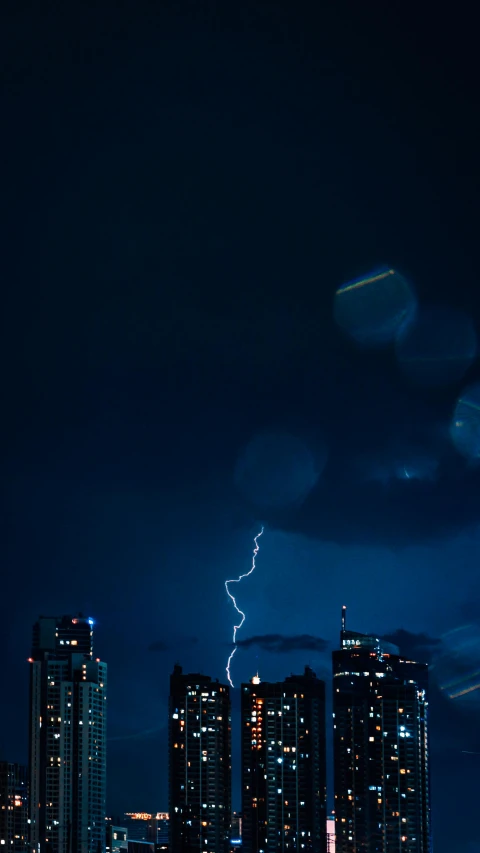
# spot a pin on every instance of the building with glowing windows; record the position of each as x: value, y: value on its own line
x: 137, y: 824
x: 13, y: 807
x: 381, y: 778
x: 330, y: 834
x: 158, y: 830
x: 284, y: 765
x: 117, y: 839
x: 143, y: 826
x: 199, y: 764
x: 236, y: 831
x: 67, y: 749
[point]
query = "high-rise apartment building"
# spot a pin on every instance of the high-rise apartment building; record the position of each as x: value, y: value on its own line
x: 381, y: 777
x: 13, y: 807
x: 284, y: 765
x: 199, y: 764
x: 68, y: 691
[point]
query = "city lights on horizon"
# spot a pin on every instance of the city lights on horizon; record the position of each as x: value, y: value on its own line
x: 283, y: 731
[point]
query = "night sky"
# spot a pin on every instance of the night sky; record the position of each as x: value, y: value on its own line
x: 185, y: 185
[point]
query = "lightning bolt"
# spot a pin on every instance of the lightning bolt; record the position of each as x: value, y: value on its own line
x: 240, y: 612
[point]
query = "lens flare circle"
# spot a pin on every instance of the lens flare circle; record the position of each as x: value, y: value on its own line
x: 374, y: 308
x: 277, y: 470
x: 465, y: 424
x: 437, y: 348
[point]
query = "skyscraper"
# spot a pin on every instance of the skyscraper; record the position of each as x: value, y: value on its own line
x: 283, y: 765
x: 199, y: 764
x: 381, y: 777
x: 13, y: 807
x: 67, y: 738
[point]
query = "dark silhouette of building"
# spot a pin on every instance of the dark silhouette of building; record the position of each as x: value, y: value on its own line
x: 236, y: 831
x: 137, y: 846
x: 13, y: 807
x: 67, y: 761
x: 158, y: 830
x: 381, y: 774
x: 143, y: 826
x: 137, y: 824
x: 199, y: 764
x: 284, y: 765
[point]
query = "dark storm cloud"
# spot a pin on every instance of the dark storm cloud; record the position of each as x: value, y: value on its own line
x: 393, y: 477
x: 159, y: 646
x: 419, y: 646
x: 282, y: 644
x: 408, y: 512
x: 162, y: 646
x: 399, y: 462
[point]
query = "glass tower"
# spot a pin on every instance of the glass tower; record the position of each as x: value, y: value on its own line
x: 381, y: 777
x: 200, y: 767
x: 67, y: 738
x: 283, y: 765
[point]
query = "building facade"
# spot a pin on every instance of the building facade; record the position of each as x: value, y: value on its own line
x: 13, y: 807
x: 67, y: 761
x: 137, y: 824
x: 284, y: 765
x: 117, y: 839
x: 158, y: 830
x: 199, y: 764
x: 381, y: 776
x: 143, y: 826
x: 330, y: 834
x: 236, y: 830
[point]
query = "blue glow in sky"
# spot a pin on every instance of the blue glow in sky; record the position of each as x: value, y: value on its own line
x: 188, y: 188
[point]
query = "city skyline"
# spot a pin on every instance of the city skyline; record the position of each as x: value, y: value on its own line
x: 240, y: 266
x: 60, y: 641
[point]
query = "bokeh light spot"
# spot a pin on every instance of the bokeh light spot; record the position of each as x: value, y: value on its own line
x: 277, y: 470
x: 373, y: 309
x: 465, y: 425
x: 438, y: 348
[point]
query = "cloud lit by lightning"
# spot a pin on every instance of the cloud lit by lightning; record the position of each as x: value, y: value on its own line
x: 240, y: 612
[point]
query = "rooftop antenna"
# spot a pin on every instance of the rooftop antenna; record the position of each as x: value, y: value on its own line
x: 344, y: 619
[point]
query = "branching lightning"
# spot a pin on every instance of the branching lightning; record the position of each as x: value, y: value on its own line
x: 240, y: 612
